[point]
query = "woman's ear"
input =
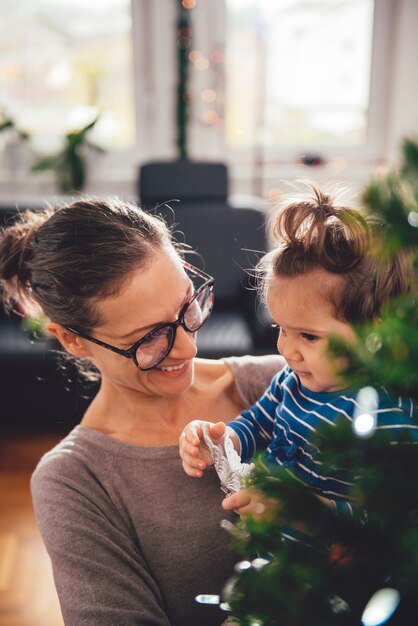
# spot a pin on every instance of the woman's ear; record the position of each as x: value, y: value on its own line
x: 70, y: 342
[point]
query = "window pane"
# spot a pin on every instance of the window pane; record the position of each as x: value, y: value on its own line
x: 61, y: 61
x: 298, y: 71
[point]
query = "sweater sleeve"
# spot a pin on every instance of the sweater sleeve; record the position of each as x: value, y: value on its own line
x: 254, y: 427
x: 101, y: 576
x: 253, y: 374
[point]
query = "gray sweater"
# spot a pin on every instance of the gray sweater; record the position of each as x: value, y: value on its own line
x: 131, y: 537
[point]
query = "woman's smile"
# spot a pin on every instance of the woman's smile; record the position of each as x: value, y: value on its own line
x: 173, y: 371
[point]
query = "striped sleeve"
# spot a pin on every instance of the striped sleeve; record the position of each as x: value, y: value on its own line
x: 254, y: 427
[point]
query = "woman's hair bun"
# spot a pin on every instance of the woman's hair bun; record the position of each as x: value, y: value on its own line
x: 15, y: 255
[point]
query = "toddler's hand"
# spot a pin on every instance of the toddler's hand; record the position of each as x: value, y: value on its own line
x: 194, y: 453
x: 251, y: 502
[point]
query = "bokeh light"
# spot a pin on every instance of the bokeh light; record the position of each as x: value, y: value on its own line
x: 380, y: 607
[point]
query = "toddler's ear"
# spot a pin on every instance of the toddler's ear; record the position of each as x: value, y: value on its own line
x: 77, y: 346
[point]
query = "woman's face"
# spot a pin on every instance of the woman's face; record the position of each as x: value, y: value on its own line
x: 154, y: 294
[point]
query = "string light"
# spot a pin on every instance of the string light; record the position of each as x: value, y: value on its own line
x: 210, y: 117
x: 184, y: 37
x: 217, y: 56
x: 380, y: 607
x: 364, y: 419
x: 208, y: 95
x: 242, y: 566
x: 373, y: 342
x: 259, y: 563
x: 201, y: 63
x: 184, y: 42
x: 364, y: 424
x: 227, y: 525
x: 194, y: 55
x: 207, y: 598
x: 413, y: 219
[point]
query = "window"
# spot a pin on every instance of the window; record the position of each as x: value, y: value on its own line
x: 298, y: 73
x: 62, y: 61
x: 269, y: 80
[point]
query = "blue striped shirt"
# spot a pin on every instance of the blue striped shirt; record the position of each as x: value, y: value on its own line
x: 284, y: 421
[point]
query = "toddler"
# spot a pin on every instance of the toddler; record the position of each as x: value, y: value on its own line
x: 318, y: 280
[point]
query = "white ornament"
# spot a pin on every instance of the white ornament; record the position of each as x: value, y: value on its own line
x: 227, y: 462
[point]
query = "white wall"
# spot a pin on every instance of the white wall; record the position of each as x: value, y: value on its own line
x: 403, y: 96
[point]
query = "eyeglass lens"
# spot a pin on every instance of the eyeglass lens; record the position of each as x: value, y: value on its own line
x: 154, y: 347
x: 158, y: 344
x: 198, y: 310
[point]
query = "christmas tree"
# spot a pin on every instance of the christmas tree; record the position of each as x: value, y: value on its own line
x: 362, y: 569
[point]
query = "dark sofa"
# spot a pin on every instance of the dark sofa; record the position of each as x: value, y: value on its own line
x: 38, y: 393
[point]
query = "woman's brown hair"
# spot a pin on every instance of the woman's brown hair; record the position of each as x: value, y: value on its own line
x: 319, y: 232
x: 59, y: 261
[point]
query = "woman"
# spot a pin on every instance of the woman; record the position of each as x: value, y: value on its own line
x: 132, y: 539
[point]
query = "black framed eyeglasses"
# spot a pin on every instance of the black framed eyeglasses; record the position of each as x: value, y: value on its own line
x: 149, y: 351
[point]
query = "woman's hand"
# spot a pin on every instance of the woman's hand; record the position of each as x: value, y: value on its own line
x: 194, y: 453
x: 251, y: 502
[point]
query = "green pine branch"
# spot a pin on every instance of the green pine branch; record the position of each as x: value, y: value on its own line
x: 328, y: 578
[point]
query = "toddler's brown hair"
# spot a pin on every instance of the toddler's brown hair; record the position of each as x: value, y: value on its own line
x: 318, y: 232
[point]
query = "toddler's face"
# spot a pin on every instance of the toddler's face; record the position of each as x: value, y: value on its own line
x: 305, y: 317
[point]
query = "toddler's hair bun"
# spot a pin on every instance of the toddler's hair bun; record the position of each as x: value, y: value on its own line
x: 329, y: 234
